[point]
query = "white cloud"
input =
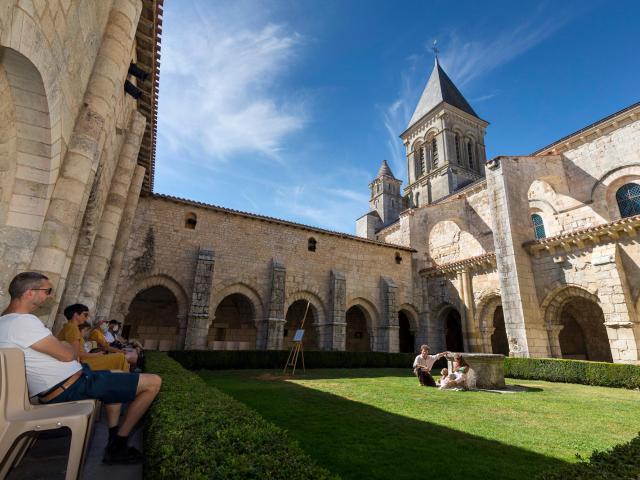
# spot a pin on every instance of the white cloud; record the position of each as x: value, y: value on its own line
x: 467, y: 59
x: 218, y: 86
x: 464, y: 60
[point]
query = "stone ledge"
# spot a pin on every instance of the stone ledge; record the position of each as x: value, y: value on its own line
x: 576, y: 239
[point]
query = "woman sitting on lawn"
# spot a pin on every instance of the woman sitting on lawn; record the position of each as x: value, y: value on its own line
x: 458, y: 376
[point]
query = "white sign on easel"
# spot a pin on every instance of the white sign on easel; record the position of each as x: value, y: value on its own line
x: 298, y: 336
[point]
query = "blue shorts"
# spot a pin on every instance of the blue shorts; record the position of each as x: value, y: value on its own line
x: 108, y: 387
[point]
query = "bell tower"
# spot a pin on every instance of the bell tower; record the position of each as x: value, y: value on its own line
x: 444, y: 142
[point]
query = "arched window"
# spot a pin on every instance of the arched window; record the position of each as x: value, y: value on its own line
x: 311, y: 244
x: 470, y: 153
x: 628, y: 198
x: 419, y: 159
x: 457, y: 143
x: 538, y: 226
x: 434, y: 153
x: 417, y: 199
x: 190, y: 221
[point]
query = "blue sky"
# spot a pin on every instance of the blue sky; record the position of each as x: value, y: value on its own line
x: 286, y: 108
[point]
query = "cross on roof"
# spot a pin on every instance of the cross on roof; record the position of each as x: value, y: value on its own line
x: 435, y: 48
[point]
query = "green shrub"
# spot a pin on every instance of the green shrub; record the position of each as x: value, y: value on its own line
x: 273, y: 359
x: 195, y: 431
x: 622, y: 461
x: 601, y: 374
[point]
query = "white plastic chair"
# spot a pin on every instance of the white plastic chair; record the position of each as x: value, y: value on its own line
x: 20, y: 420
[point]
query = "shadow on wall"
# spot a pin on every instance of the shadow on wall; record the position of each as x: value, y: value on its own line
x: 362, y: 441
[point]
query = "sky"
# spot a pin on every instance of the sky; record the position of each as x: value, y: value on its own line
x: 286, y: 108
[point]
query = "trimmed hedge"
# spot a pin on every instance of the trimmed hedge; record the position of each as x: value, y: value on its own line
x: 274, y: 359
x: 619, y: 375
x: 195, y: 431
x: 622, y: 461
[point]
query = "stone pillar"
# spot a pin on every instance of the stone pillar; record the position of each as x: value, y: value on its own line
x: 508, y: 184
x: 182, y: 332
x: 388, y: 334
x: 335, y: 330
x: 111, y: 284
x: 432, y: 333
x: 273, y: 326
x: 59, y: 233
x: 620, y: 317
x: 198, y: 321
x: 553, y: 331
x: 105, y: 241
x: 485, y: 336
x: 471, y: 333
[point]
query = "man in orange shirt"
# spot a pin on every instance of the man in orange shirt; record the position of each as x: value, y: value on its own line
x: 75, y: 315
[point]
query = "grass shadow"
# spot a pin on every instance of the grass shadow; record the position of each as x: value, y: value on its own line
x: 356, y: 440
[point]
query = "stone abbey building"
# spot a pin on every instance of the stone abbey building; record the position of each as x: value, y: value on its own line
x: 529, y: 256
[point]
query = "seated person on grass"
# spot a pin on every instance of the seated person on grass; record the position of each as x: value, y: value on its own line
x: 423, y: 364
x: 457, y: 379
x: 54, y: 375
x: 70, y: 333
x: 97, y: 335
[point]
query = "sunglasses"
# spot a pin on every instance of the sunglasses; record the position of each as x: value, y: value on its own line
x: 48, y: 290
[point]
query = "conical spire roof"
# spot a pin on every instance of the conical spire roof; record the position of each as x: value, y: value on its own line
x: 385, y: 170
x: 440, y: 89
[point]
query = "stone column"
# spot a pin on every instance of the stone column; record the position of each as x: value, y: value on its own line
x: 508, y: 183
x: 111, y: 284
x: 553, y: 331
x: 485, y: 336
x: 472, y: 339
x: 274, y: 322
x: 105, y: 241
x: 60, y: 230
x: 198, y: 321
x: 388, y: 335
x: 620, y: 317
x: 335, y: 330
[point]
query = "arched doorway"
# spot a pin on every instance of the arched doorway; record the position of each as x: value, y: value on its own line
x: 357, y: 332
x: 453, y: 331
x: 295, y: 314
x: 407, y: 338
x: 583, y: 336
x: 153, y: 315
x: 499, y: 341
x: 233, y: 324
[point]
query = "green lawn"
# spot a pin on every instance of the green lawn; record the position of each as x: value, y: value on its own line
x: 380, y: 424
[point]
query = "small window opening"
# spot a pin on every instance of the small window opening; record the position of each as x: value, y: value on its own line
x: 538, y: 226
x: 470, y: 153
x: 434, y: 153
x: 398, y: 258
x: 457, y: 142
x: 628, y: 198
x: 311, y: 244
x: 190, y: 221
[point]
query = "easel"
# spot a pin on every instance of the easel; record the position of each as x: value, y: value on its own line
x: 297, y: 349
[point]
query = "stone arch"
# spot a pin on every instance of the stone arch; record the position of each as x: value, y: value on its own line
x: 153, y: 316
x: 369, y: 339
x: 407, y: 327
x: 371, y: 312
x: 487, y: 305
x: 449, y: 240
x: 316, y: 302
x: 29, y: 158
x: 449, y: 324
x: 156, y: 281
x: 566, y: 328
x: 603, y: 193
x: 242, y: 289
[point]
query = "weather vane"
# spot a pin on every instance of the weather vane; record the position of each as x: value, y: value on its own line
x: 435, y: 48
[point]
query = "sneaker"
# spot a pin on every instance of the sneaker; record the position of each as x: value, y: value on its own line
x: 122, y: 456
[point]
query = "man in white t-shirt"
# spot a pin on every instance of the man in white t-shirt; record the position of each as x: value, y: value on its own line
x: 54, y: 375
x: 423, y: 364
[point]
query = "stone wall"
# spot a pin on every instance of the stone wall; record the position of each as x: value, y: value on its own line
x: 248, y: 250
x: 66, y: 123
